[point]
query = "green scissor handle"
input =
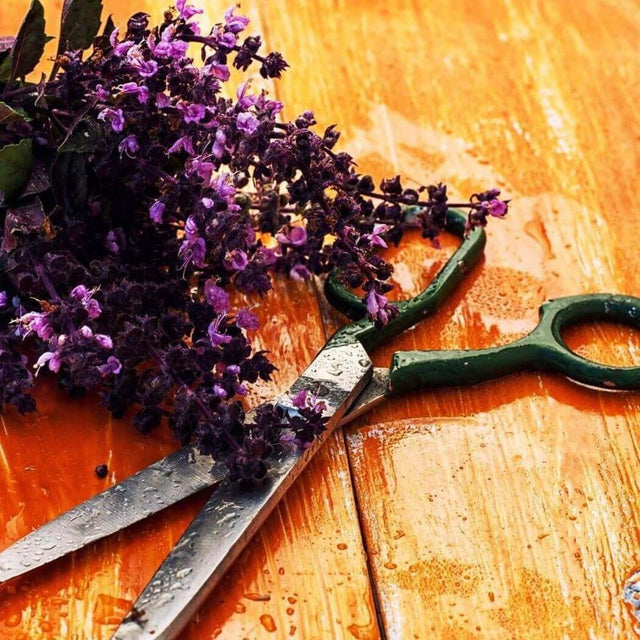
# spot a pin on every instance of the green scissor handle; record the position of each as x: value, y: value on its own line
x: 411, y: 311
x: 541, y: 350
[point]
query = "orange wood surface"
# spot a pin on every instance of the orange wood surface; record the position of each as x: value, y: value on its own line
x: 506, y: 510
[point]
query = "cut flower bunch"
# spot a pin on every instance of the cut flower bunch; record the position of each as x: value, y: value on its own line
x: 135, y: 194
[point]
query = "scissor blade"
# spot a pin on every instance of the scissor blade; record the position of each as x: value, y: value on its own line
x: 233, y: 514
x: 376, y: 391
x: 156, y: 487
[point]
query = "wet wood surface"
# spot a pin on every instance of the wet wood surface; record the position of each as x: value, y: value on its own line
x: 506, y: 510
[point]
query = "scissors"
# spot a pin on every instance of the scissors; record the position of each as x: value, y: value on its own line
x: 343, y: 376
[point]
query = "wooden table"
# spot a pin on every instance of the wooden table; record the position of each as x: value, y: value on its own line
x: 506, y: 510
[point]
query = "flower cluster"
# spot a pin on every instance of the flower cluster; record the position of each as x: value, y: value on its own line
x: 139, y: 193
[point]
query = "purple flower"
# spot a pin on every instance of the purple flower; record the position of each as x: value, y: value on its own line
x: 104, y: 341
x: 52, y: 358
x: 222, y: 185
x: 235, y: 24
x: 131, y: 88
x: 236, y: 260
x: 219, y: 71
x: 92, y: 308
x: 85, y: 332
x: 216, y: 296
x: 38, y: 322
x: 185, y: 10
x: 168, y: 47
x: 375, y: 237
x: 193, y: 252
x: 128, y: 88
x: 218, y: 146
x: 115, y: 118
x: 247, y: 320
x: 219, y: 392
x: 102, y: 95
x: 247, y: 122
x: 129, y: 146
x: 143, y: 94
x: 496, y: 208
x: 156, y: 211
x: 162, y: 100
x: 4, y: 298
x: 112, y: 365
x: 79, y: 293
x: 295, y: 236
x: 217, y: 338
x: 182, y: 144
x: 379, y: 307
x: 233, y: 369
x: 119, y: 48
x: 85, y: 297
x: 147, y: 68
x: 267, y: 256
x: 299, y: 272
x: 192, y: 112
x: 203, y: 168
x: 245, y: 100
x: 223, y: 38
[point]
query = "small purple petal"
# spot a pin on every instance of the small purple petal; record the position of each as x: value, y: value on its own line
x: 79, y: 293
x: 129, y: 146
x: 216, y: 296
x: 193, y: 112
x: 104, y: 341
x: 114, y: 116
x: 297, y: 236
x: 247, y: 122
x: 497, y: 208
x: 85, y: 331
x: 93, y: 308
x: 247, y: 320
x: 112, y: 365
x: 299, y: 400
x: 156, y: 211
x: 299, y: 272
x: 236, y: 260
x: 182, y: 144
x: 162, y: 100
x: 235, y: 24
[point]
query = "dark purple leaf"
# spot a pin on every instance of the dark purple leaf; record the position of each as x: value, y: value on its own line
x: 23, y: 219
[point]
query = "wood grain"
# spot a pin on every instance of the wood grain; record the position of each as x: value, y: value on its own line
x: 508, y: 510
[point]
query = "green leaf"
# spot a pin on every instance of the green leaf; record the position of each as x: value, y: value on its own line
x: 8, y: 115
x: 16, y: 161
x: 69, y: 182
x: 29, y: 45
x: 79, y: 25
x: 82, y: 138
